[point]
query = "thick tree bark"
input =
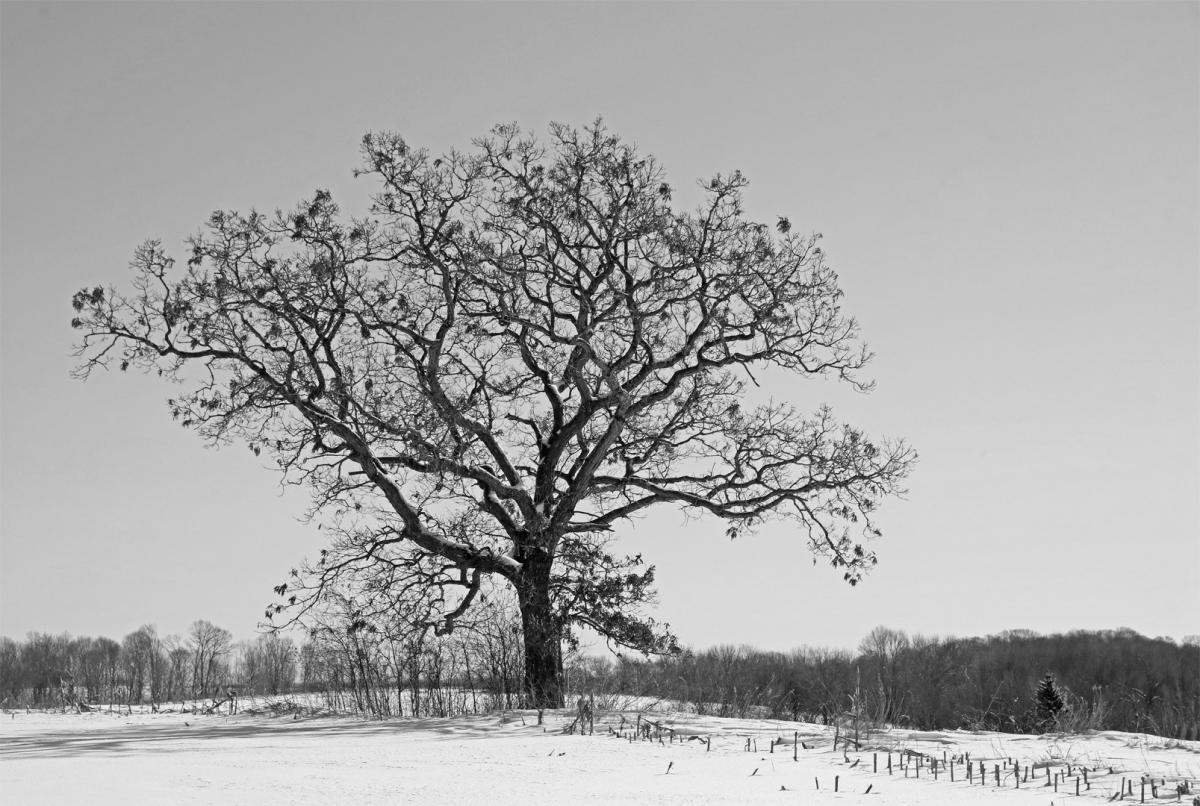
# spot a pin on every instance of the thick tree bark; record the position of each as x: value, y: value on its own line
x: 543, y: 652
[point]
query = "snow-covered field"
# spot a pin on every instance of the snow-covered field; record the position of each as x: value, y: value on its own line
x: 181, y: 758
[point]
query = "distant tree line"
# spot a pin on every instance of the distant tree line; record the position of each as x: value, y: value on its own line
x: 1113, y: 679
x: 48, y: 670
x: 349, y: 659
x: 354, y: 658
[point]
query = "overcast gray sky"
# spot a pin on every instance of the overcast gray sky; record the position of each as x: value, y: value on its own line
x: 1008, y: 190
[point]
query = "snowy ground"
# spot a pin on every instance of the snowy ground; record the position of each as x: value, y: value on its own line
x: 180, y: 758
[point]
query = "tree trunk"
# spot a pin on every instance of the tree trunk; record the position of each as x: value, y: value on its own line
x: 543, y: 653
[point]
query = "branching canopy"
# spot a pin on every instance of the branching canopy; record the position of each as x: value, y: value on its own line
x: 516, y: 349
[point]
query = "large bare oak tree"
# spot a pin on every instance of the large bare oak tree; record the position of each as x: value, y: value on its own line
x: 518, y: 348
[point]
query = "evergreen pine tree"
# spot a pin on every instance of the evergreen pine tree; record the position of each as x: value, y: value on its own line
x: 1049, y: 703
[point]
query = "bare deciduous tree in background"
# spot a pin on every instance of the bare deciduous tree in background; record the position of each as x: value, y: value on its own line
x: 518, y: 348
x: 209, y: 644
x: 268, y: 664
x: 882, y: 648
x: 140, y: 651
